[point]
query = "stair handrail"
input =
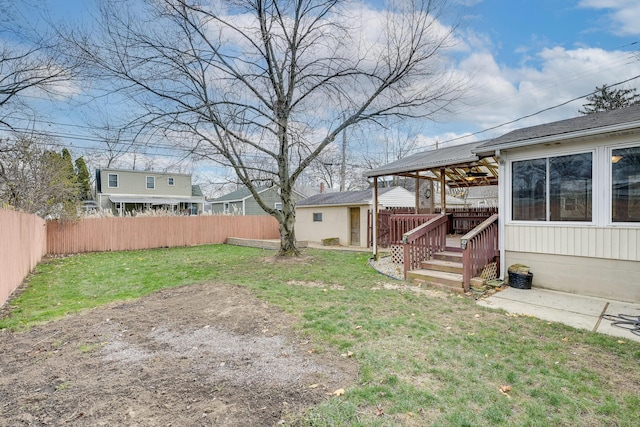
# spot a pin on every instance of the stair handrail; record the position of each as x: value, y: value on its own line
x: 423, y: 241
x: 479, y: 247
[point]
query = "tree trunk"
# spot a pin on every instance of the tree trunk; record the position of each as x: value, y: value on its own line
x: 287, y: 222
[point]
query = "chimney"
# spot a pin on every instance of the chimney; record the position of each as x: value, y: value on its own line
x: 321, y: 187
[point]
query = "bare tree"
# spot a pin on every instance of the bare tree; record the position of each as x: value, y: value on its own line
x: 30, y: 61
x: 338, y: 168
x: 391, y: 144
x: 267, y: 85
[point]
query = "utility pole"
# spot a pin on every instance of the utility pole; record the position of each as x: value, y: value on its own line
x: 343, y: 165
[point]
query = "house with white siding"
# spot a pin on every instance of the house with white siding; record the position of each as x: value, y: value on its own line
x: 568, y: 200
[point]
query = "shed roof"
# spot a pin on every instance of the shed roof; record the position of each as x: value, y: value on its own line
x: 361, y: 197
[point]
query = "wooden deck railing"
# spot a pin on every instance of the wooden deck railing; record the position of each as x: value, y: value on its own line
x: 463, y: 220
x: 399, y: 224
x: 423, y: 241
x: 479, y: 247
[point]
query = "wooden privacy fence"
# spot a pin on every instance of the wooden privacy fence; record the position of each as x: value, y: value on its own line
x: 121, y: 234
x: 23, y: 243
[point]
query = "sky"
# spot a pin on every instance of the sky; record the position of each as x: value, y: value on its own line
x: 527, y: 61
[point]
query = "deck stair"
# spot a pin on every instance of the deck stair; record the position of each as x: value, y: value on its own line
x: 443, y: 271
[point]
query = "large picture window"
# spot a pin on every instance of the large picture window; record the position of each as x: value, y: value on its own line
x: 553, y: 189
x: 625, y: 178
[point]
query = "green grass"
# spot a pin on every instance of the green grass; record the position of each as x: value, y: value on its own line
x: 423, y: 360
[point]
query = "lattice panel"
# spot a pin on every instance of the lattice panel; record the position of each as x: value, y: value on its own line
x: 397, y: 254
x: 490, y: 271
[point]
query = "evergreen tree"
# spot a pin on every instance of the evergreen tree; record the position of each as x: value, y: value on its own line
x: 69, y: 170
x: 606, y: 99
x: 83, y: 178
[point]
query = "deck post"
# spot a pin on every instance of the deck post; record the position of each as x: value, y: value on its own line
x: 443, y: 193
x: 417, y: 194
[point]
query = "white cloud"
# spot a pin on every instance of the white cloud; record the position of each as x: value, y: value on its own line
x: 500, y: 94
x: 623, y: 14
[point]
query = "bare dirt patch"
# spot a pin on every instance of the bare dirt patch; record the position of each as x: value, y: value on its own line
x: 198, y: 355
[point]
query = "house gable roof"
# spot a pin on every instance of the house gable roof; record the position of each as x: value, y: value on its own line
x: 243, y: 194
x: 590, y: 124
x: 362, y: 197
x: 235, y: 196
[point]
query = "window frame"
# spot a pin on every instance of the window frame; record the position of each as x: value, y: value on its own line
x: 109, y: 175
x: 547, y: 155
x: 317, y: 216
x: 609, y: 185
x: 171, y: 181
x: 147, y: 182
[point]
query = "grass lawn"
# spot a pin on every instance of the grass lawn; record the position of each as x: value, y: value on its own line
x: 423, y: 359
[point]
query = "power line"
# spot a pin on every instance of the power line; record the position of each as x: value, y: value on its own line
x: 544, y: 110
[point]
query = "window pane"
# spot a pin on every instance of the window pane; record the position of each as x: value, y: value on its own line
x: 529, y: 190
x: 113, y: 180
x: 570, y: 187
x: 625, y: 192
x: 317, y: 217
x: 151, y: 182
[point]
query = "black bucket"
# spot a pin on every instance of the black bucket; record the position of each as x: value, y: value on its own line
x: 520, y: 281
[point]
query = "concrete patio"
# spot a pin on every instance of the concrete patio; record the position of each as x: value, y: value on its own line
x: 578, y: 311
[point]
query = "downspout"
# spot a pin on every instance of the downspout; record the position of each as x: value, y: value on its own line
x: 501, y: 212
x: 374, y: 216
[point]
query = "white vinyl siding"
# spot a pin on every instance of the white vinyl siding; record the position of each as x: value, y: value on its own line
x: 596, y: 242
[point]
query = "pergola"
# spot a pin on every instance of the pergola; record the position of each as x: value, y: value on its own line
x: 458, y: 166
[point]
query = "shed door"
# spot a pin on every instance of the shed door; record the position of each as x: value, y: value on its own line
x: 355, y: 226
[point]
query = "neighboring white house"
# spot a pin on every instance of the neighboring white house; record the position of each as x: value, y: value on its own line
x: 123, y: 191
x: 570, y: 202
x: 344, y: 214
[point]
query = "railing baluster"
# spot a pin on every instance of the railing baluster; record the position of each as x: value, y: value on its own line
x: 479, y: 247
